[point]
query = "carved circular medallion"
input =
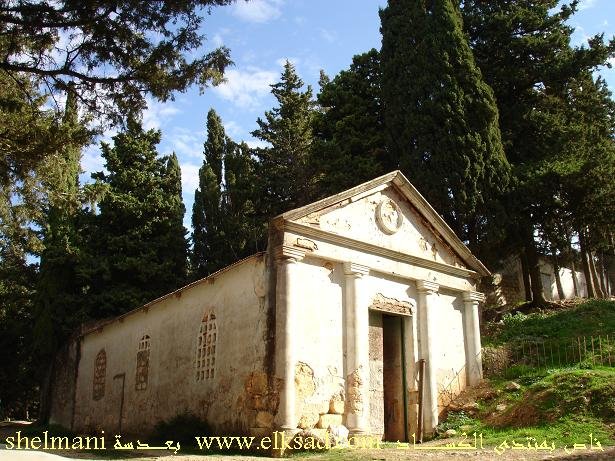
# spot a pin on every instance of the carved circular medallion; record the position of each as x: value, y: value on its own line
x: 389, y: 216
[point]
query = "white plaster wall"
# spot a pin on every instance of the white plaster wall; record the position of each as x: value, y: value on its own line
x: 550, y: 289
x: 449, y: 354
x: 238, y: 299
x: 320, y: 338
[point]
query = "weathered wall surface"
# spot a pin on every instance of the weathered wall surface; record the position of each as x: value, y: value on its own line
x: 320, y: 343
x: 376, y: 374
x: 238, y: 397
x: 320, y: 382
x: 511, y: 289
x: 449, y: 345
x: 357, y: 220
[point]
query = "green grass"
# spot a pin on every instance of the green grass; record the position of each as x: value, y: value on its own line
x: 564, y: 406
x: 591, y: 318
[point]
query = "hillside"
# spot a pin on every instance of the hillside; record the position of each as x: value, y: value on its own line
x: 544, y: 380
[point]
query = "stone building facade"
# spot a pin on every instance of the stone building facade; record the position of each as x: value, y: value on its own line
x: 326, y: 328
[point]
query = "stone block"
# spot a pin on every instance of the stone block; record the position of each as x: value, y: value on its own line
x: 336, y: 406
x: 308, y: 419
x: 264, y: 419
x: 329, y: 420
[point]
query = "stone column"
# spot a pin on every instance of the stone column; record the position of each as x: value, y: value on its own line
x: 286, y: 329
x: 474, y: 362
x: 427, y: 305
x: 357, y: 350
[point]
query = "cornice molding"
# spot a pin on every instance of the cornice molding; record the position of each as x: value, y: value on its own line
x: 473, y: 297
x: 427, y: 286
x: 351, y: 268
x: 366, y: 247
x: 287, y: 252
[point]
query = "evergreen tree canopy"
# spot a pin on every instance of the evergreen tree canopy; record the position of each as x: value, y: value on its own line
x: 350, y: 147
x: 440, y: 117
x: 523, y: 48
x: 136, y: 243
x: 224, y: 220
x: 114, y: 52
x: 208, y: 237
x: 284, y: 166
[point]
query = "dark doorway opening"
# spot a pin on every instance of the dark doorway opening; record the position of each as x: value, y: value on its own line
x: 393, y: 379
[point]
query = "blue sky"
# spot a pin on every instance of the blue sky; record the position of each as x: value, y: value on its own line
x: 262, y: 34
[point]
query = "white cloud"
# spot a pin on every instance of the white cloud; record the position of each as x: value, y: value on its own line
x: 259, y: 11
x: 586, y: 4
x: 157, y: 113
x: 190, y: 178
x: 233, y: 129
x: 91, y: 161
x: 185, y: 142
x: 246, y: 88
x: 217, y: 40
x: 257, y: 143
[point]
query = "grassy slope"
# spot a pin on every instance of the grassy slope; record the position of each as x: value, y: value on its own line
x: 591, y: 318
x: 564, y: 405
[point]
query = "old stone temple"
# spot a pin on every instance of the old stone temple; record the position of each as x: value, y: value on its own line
x: 363, y: 312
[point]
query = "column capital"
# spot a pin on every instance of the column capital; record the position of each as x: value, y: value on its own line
x: 351, y: 268
x: 473, y: 297
x: 288, y: 253
x: 427, y: 286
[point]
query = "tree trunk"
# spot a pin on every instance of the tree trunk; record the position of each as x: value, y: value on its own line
x: 533, y: 261
x: 589, y: 281
x: 575, y: 282
x: 525, y: 272
x: 558, y: 280
x: 603, y: 279
x: 595, y: 275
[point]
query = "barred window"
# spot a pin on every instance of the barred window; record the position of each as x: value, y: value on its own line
x: 100, y: 370
x: 142, y: 363
x: 206, y: 348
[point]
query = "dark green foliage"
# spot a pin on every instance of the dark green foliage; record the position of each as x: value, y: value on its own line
x: 247, y: 232
x: 349, y: 147
x: 18, y: 373
x: 144, y: 43
x: 284, y: 167
x: 208, y: 236
x: 136, y: 244
x: 440, y: 117
x: 523, y: 49
x: 224, y: 220
x: 58, y: 291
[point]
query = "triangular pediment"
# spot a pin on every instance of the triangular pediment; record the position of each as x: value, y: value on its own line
x: 389, y: 212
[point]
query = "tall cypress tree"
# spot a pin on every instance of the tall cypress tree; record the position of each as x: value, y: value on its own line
x: 208, y: 238
x: 57, y: 288
x: 138, y: 226
x: 246, y: 231
x: 175, y: 254
x: 440, y: 117
x: 224, y: 218
x: 349, y: 145
x: 284, y: 166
